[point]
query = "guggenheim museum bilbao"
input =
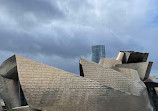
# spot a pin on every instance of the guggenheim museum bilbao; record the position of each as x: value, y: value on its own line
x: 121, y: 84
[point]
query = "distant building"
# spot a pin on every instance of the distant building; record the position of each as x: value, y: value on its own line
x: 98, y: 51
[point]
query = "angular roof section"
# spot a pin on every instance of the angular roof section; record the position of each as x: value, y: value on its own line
x: 108, y: 63
x: 143, y: 68
x: 110, y: 77
x: 132, y: 57
x: 49, y: 88
x: 129, y: 72
x: 8, y: 68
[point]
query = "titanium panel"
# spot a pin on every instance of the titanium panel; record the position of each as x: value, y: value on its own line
x: 120, y: 56
x: 137, y: 57
x: 143, y: 68
x: 132, y: 57
x: 129, y: 72
x: 108, y: 76
x: 108, y: 63
x: 111, y: 77
x: 9, y: 92
x: 8, y: 68
x: 49, y: 88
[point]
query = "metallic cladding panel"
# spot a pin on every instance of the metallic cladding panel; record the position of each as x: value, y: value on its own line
x: 136, y: 57
x: 9, y: 91
x: 9, y: 84
x: 148, y: 70
x: 123, y: 56
x: 108, y: 63
x: 111, y: 77
x: 129, y: 72
x: 49, y: 88
x: 8, y: 68
x: 143, y: 68
x: 93, y: 71
x: 132, y: 57
x: 120, y: 56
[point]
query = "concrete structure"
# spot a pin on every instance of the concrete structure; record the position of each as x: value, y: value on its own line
x: 98, y: 51
x: 27, y: 85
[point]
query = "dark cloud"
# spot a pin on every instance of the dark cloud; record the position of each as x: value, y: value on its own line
x: 63, y: 46
x: 25, y: 43
x: 59, y: 32
x: 29, y: 13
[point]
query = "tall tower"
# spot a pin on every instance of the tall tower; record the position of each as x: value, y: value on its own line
x: 98, y: 51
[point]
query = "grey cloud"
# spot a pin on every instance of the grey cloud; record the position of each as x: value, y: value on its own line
x: 25, y: 43
x: 58, y: 32
x: 30, y: 13
x: 61, y: 53
x: 63, y: 46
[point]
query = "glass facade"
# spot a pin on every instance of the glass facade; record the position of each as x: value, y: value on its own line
x: 98, y: 51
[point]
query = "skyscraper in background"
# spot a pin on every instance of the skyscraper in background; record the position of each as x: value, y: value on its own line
x: 98, y: 51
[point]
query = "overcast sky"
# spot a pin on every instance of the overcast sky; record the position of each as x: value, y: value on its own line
x: 59, y: 32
